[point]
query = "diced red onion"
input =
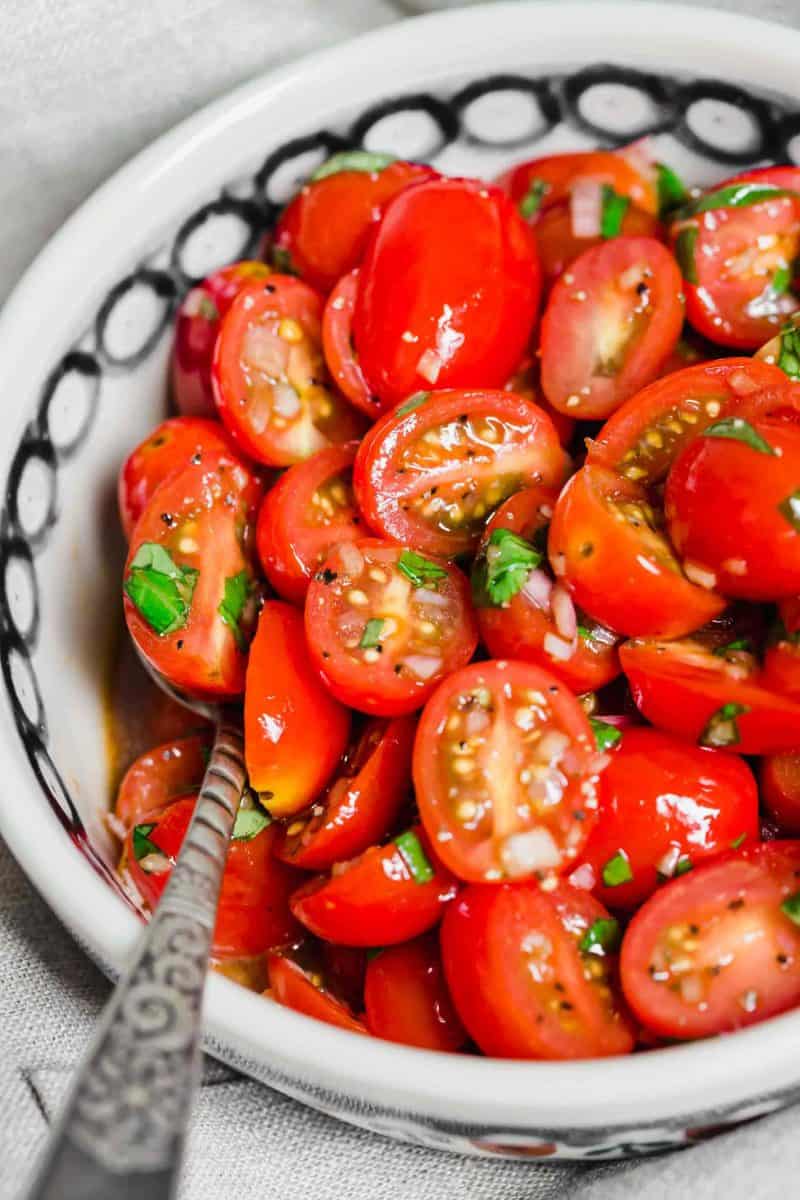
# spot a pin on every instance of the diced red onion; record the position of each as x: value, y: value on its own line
x: 351, y: 559
x: 566, y: 621
x: 423, y: 666
x: 586, y: 208
x: 537, y: 588
x: 429, y: 366
x: 556, y: 647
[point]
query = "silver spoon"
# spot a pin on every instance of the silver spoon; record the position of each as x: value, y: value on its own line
x: 123, y: 1129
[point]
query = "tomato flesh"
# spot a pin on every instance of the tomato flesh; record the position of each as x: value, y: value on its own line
x: 407, y: 1000
x: 340, y: 353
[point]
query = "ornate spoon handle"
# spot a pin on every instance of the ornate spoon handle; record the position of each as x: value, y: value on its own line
x: 123, y: 1129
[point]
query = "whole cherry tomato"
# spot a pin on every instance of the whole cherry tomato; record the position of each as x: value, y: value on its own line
x: 160, y: 775
x: 406, y: 997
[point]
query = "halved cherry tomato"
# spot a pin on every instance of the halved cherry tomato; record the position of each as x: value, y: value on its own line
x: 406, y: 997
x: 780, y: 790
x: 505, y: 771
x: 537, y: 185
x: 532, y: 973
x: 527, y: 513
x: 665, y: 807
x: 304, y: 991
x: 196, y: 328
x: 337, y: 343
x: 732, y: 505
x: 609, y: 326
x: 713, y: 699
x: 781, y: 671
x: 253, y: 913
x: 359, y: 808
x: 605, y: 529
x: 428, y: 314
x: 170, y: 446
x: 190, y: 588
x: 160, y: 775
x: 310, y: 509
x: 431, y: 472
x: 294, y: 731
x: 559, y: 245
x: 526, y: 382
x: 385, y: 625
x: 719, y: 948
x: 270, y: 382
x: 387, y: 895
x: 324, y: 229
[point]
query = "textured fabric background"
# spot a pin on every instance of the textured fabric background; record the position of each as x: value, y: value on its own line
x: 84, y: 84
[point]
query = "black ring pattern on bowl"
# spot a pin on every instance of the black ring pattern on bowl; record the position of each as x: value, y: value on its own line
x: 559, y: 98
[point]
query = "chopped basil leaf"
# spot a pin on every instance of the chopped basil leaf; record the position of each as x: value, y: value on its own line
x: 371, y: 636
x: 531, y: 202
x: 722, y: 729
x: 735, y: 195
x: 780, y: 280
x: 353, y: 160
x: 585, y: 633
x: 160, y: 588
x: 234, y: 601
x: 411, y: 403
x: 282, y: 261
x: 602, y: 937
x: 738, y: 430
x: 421, y: 571
x: 612, y: 212
x: 142, y: 846
x: 684, y: 252
x: 737, y: 842
x: 502, y: 569
x: 791, y: 906
x: 605, y: 735
x: 789, y: 356
x: 617, y: 870
x: 739, y: 644
x: 414, y: 857
x: 671, y: 189
x: 682, y: 866
x: 249, y: 823
x: 790, y: 509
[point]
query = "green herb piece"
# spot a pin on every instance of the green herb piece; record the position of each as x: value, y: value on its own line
x: 585, y: 633
x: 160, y: 588
x: 790, y: 509
x: 612, y: 212
x: 791, y: 907
x: 371, y: 636
x: 738, y: 430
x: 682, y: 866
x: 722, y: 729
x: 142, y: 846
x: 617, y: 870
x: 735, y: 195
x: 780, y: 281
x: 282, y: 261
x: 501, y: 571
x: 234, y: 601
x: 353, y: 160
x: 602, y: 937
x: 421, y: 571
x: 414, y: 857
x: 737, y: 842
x: 789, y: 355
x: 739, y: 644
x: 249, y: 823
x: 605, y: 735
x: 411, y: 403
x: 684, y: 252
x: 531, y: 202
x: 671, y: 189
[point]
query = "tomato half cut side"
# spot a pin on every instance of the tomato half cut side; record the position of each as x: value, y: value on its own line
x: 718, y: 948
x: 406, y: 998
x: 505, y: 771
x: 532, y: 973
x: 161, y: 774
x: 340, y: 353
x: 304, y: 991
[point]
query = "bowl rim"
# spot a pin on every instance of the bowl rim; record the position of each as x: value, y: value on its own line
x: 756, y: 1062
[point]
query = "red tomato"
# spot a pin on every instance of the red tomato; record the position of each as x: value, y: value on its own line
x: 715, y: 700
x: 310, y: 509
x: 385, y: 625
x: 270, y: 383
x: 303, y: 991
x: 294, y: 732
x: 429, y: 314
x: 196, y: 328
x: 389, y: 894
x: 732, y: 505
x: 324, y: 229
x: 780, y: 790
x: 160, y: 775
x: 430, y: 472
x: 689, y: 351
x: 361, y: 805
x: 603, y: 529
x: 253, y: 912
x: 717, y: 949
x: 505, y: 771
x: 559, y: 245
x: 610, y: 324
x: 531, y: 973
x: 337, y: 343
x: 407, y: 1000
x: 537, y: 185
x: 526, y: 513
x: 526, y: 382
x: 665, y: 807
x: 782, y: 656
x: 190, y: 590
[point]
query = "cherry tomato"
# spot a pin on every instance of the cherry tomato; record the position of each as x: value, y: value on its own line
x: 324, y: 229
x: 294, y: 731
x: 782, y: 656
x: 309, y: 510
x: 362, y: 803
x: 604, y: 528
x: 340, y: 353
x: 160, y: 775
x: 253, y: 912
x: 526, y: 382
x: 713, y: 699
x: 559, y: 245
x: 665, y: 807
x: 428, y: 314
x: 270, y: 382
x: 389, y: 894
x: 532, y: 973
x: 780, y: 790
x: 385, y: 625
x: 732, y: 505
x: 431, y: 472
x: 539, y: 184
x: 196, y: 328
x: 689, y: 351
x: 407, y: 1000
x: 610, y: 324
x: 304, y: 991
x: 190, y: 591
x: 718, y: 948
x: 505, y: 771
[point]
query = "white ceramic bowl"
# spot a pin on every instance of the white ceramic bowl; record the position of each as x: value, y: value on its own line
x: 83, y: 351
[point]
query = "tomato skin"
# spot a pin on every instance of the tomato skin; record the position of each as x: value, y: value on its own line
x: 512, y: 962
x: 360, y: 805
x: 291, y: 986
x: 588, y: 545
x: 780, y: 790
x: 731, y: 908
x: 559, y: 247
x: 337, y: 344
x: 160, y: 774
x: 560, y: 173
x: 419, y: 294
x: 407, y: 1000
x: 374, y: 900
x: 781, y: 671
x: 294, y: 732
x: 325, y: 228
x: 293, y: 535
x: 196, y: 328
x: 662, y: 799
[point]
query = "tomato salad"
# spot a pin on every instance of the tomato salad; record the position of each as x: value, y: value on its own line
x: 482, y: 500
